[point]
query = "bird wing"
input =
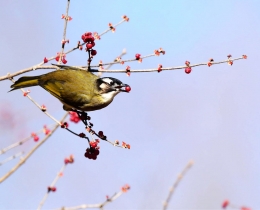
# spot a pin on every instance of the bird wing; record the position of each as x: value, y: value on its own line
x: 71, y: 88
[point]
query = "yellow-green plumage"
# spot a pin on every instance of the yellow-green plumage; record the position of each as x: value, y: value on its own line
x: 74, y: 88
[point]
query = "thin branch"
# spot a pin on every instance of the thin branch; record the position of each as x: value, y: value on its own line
x: 176, y: 183
x: 39, y: 66
x: 124, y: 61
x: 11, y: 158
x: 23, y: 160
x: 99, y: 205
x: 111, y: 64
x: 64, y: 31
x: 59, y: 174
x: 10, y: 76
x: 4, y: 150
x: 113, y: 27
x: 168, y: 68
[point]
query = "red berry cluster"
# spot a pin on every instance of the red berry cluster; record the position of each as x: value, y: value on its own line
x: 74, y: 117
x: 89, y: 40
x: 188, y: 68
x: 64, y: 125
x: 70, y: 159
x: 35, y: 137
x: 93, y: 151
x: 125, y: 188
x: 63, y: 58
x: 53, y: 189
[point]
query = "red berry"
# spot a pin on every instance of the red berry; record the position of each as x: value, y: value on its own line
x: 93, y: 52
x: 188, y: 70
x: 53, y: 189
x: 64, y: 61
x: 35, y: 138
x: 127, y: 88
x: 137, y: 56
x: 89, y: 46
x: 45, y: 60
x: 57, y: 58
x: 225, y: 204
x: 96, y: 152
x: 93, y: 144
x: 66, y: 161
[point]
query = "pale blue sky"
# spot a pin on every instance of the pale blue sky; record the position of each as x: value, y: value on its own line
x: 210, y: 115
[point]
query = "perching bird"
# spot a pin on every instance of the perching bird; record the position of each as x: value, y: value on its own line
x: 76, y: 89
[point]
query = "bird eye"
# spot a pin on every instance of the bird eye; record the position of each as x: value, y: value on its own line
x: 112, y: 83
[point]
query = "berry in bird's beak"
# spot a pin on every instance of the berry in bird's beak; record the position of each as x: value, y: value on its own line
x: 127, y: 88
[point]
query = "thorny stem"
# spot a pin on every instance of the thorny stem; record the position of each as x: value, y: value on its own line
x: 4, y: 150
x: 11, y: 158
x: 52, y: 185
x: 23, y: 160
x: 65, y: 30
x: 176, y: 183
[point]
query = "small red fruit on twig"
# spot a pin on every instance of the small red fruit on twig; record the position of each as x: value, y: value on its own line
x: 188, y: 70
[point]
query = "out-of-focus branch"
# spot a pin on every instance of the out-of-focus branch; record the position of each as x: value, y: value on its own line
x: 176, y: 183
x: 52, y: 187
x: 99, y: 205
x: 23, y: 160
x: 11, y: 158
x: 4, y: 150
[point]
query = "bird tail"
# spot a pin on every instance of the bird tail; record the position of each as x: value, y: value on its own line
x: 25, y: 82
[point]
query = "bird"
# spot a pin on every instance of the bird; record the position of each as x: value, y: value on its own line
x: 76, y: 89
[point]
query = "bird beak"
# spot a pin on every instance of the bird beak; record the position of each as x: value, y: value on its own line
x: 126, y: 86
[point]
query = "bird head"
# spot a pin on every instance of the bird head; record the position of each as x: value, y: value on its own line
x: 109, y: 87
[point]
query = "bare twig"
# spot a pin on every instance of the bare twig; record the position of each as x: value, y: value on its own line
x: 50, y: 188
x: 176, y: 183
x: 11, y: 158
x: 23, y: 160
x: 111, y: 64
x: 113, y: 27
x: 99, y: 205
x: 4, y: 150
x: 64, y: 31
x: 124, y: 61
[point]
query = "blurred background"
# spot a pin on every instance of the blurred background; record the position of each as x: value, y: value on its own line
x: 210, y: 115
